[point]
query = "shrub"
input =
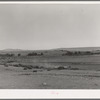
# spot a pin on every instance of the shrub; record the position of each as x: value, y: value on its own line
x: 29, y: 67
x: 16, y: 65
x: 34, y: 70
x: 48, y: 69
x: 41, y: 67
x: 41, y: 53
x: 19, y: 65
x: 74, y: 68
x: 19, y: 54
x: 36, y: 66
x: 25, y: 68
x: 61, y: 67
x: 32, y: 54
x: 10, y: 61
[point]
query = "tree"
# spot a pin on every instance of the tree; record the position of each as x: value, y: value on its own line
x: 19, y: 54
x: 41, y: 53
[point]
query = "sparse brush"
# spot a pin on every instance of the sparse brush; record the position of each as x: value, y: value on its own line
x: 48, y: 69
x: 15, y: 65
x: 74, y: 68
x: 36, y: 67
x: 61, y: 67
x: 41, y: 67
x: 34, y: 70
x: 29, y: 67
x: 25, y: 68
x: 10, y: 61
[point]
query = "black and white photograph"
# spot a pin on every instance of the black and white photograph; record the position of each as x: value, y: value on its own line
x: 49, y: 46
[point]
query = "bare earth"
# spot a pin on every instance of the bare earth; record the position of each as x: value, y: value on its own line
x: 17, y: 78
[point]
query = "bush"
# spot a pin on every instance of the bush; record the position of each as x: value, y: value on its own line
x: 48, y: 69
x: 41, y: 53
x: 32, y: 54
x: 19, y: 65
x: 25, y: 68
x: 61, y: 67
x: 34, y: 70
x: 36, y: 67
x: 35, y: 54
x: 74, y: 68
x: 29, y: 66
x: 41, y: 67
x: 19, y: 54
x: 10, y: 61
x: 16, y: 65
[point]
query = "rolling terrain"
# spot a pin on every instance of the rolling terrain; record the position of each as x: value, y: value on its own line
x: 62, y: 68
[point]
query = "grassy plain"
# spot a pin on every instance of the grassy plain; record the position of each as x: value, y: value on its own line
x: 44, y: 72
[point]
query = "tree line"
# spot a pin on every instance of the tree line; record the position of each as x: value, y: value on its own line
x: 80, y: 53
x: 35, y: 54
x: 29, y: 54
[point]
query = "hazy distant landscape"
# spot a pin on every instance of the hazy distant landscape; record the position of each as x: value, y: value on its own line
x: 50, y: 69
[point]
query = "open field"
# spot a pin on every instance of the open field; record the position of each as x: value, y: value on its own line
x: 17, y: 78
x: 50, y: 72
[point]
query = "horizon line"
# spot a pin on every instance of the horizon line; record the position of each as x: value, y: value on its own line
x: 52, y: 48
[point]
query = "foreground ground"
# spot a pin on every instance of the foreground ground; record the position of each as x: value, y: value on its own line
x: 42, y: 72
x: 17, y: 78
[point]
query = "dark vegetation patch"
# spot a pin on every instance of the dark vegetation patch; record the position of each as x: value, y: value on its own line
x: 10, y: 61
x: 74, y: 68
x: 73, y: 57
x: 38, y: 68
x: 79, y: 53
x: 61, y: 68
x: 24, y: 68
x: 35, y: 54
x: 34, y: 70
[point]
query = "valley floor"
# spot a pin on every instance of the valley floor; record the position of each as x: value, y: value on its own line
x: 17, y: 78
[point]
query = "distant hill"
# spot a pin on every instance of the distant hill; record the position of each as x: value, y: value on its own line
x: 51, y: 52
x: 11, y: 50
x: 57, y: 49
x: 80, y: 49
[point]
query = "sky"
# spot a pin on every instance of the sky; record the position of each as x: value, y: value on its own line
x: 38, y: 26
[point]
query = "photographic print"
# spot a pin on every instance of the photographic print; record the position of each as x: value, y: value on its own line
x: 49, y: 46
